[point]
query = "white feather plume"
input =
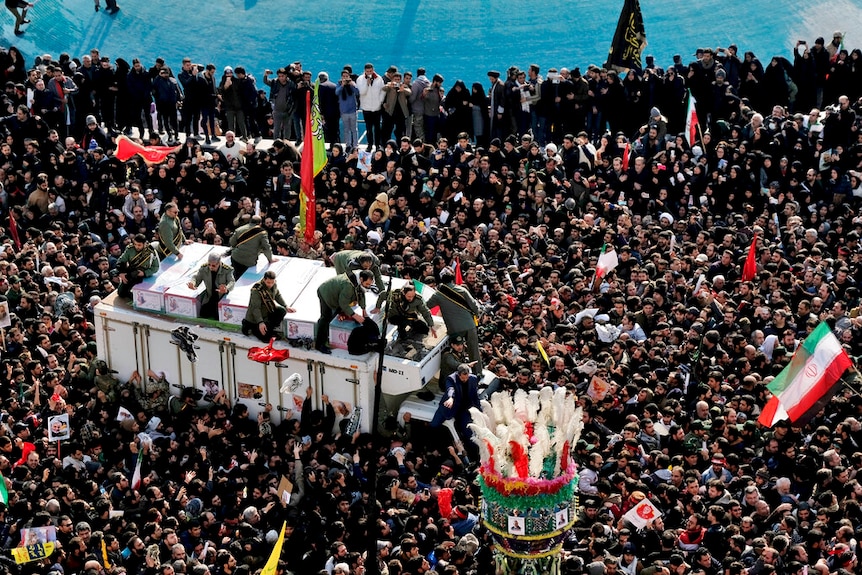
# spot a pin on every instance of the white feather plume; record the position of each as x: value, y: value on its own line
x: 546, y: 398
x: 519, y: 404
x: 533, y: 406
x: 559, y: 402
x: 503, y: 460
x: 508, y: 407
x: 498, y: 401
x: 540, y: 450
x: 480, y: 436
x: 487, y: 409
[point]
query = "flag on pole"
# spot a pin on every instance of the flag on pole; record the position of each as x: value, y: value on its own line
x: 13, y: 231
x: 627, y: 152
x: 459, y: 279
x: 810, y: 379
x: 136, y: 476
x: 422, y: 289
x: 749, y: 270
x: 4, y: 494
x: 126, y: 149
x: 629, y: 39
x: 272, y: 562
x: 313, y: 160
x: 543, y: 353
x: 608, y: 261
x: 691, y: 121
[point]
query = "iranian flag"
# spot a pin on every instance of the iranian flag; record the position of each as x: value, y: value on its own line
x: 608, y: 261
x: 426, y: 292
x: 691, y: 123
x: 4, y: 494
x: 136, y: 476
x: 313, y: 160
x: 810, y: 379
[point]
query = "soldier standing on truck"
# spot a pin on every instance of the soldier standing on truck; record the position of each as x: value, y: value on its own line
x: 343, y: 295
x: 218, y: 279
x: 352, y: 260
x: 247, y: 243
x: 139, y: 261
x: 170, y: 232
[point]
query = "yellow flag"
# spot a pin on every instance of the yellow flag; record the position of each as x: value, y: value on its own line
x: 542, y: 352
x: 272, y: 562
x: 36, y: 552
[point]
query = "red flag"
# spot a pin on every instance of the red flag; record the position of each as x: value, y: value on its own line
x: 458, y: 278
x: 268, y: 353
x: 126, y: 149
x: 13, y: 231
x: 313, y: 161
x: 749, y: 270
x: 626, y: 153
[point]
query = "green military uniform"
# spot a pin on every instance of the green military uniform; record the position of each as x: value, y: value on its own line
x: 105, y: 381
x: 246, y: 243
x: 348, y: 260
x: 154, y: 394
x: 411, y: 317
x: 137, y: 265
x: 461, y: 314
x: 264, y: 306
x: 13, y: 296
x: 210, y: 298
x: 337, y: 295
x: 450, y: 361
x: 171, y: 236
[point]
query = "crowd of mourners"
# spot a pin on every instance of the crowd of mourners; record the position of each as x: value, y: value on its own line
x: 520, y: 181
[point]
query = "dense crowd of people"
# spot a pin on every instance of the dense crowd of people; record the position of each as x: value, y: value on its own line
x: 519, y: 183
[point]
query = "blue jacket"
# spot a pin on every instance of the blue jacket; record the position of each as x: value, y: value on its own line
x: 347, y: 103
x: 167, y: 90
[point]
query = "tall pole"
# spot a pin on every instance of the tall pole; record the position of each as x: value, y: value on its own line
x: 371, y: 566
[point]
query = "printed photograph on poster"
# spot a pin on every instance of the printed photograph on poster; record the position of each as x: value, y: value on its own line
x: 211, y: 388
x: 516, y: 525
x: 297, y: 403
x: 250, y: 391
x: 364, y: 161
x: 5, y: 318
x: 37, y: 535
x: 561, y: 518
x: 58, y: 427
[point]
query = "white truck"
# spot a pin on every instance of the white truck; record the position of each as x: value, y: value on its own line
x: 136, y: 336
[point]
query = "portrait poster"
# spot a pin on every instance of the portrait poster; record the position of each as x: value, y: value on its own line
x: 58, y: 427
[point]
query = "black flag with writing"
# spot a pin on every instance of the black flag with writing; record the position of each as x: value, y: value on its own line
x: 629, y: 39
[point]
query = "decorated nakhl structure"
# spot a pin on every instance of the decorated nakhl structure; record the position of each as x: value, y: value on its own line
x: 527, y: 477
